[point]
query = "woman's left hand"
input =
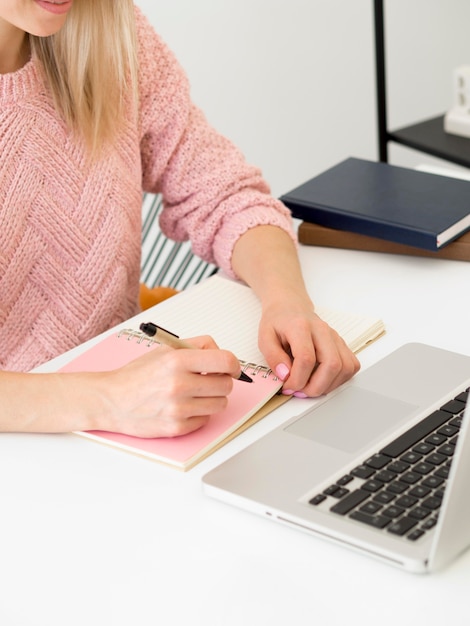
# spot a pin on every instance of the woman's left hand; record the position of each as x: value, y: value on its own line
x: 302, y: 349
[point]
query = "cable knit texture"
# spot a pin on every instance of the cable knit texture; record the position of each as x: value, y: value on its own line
x: 70, y: 232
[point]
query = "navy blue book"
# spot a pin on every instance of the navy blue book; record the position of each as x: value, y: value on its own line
x: 385, y: 201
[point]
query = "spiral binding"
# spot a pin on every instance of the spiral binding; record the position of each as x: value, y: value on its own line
x: 141, y: 337
x: 252, y: 369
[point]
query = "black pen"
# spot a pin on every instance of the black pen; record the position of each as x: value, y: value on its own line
x: 170, y: 339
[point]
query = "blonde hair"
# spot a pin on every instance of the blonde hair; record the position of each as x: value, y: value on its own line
x: 91, y: 67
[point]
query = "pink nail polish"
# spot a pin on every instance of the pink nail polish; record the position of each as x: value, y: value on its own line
x: 300, y: 394
x: 282, y: 371
x: 287, y: 392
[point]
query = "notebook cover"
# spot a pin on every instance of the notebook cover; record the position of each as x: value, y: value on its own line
x: 316, y: 235
x: 380, y: 200
x: 182, y: 452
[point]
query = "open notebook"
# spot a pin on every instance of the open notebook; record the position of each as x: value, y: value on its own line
x: 230, y: 312
x: 182, y: 452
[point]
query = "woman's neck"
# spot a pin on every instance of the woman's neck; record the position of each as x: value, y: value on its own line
x: 15, y: 48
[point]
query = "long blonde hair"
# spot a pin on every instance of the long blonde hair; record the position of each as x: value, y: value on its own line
x: 91, y: 67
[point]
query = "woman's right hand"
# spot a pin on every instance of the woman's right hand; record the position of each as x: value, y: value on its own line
x: 167, y: 392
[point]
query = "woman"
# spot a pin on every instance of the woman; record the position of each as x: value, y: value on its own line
x: 93, y: 110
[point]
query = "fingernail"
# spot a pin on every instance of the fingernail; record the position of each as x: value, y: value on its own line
x: 282, y: 371
x: 300, y: 394
x: 287, y: 392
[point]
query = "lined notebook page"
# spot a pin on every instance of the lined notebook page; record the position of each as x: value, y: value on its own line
x: 230, y: 312
x: 356, y: 330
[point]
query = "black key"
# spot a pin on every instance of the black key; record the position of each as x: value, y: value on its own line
x: 453, y: 406
x: 423, y: 448
x: 432, y: 503
x: 410, y: 478
x: 345, y: 480
x: 362, y: 472
x: 329, y: 491
x: 402, y: 526
x: 378, y: 521
x: 432, y: 481
x: 435, y: 458
x: 370, y: 507
x: 397, y: 487
x: 419, y: 491
x: 447, y: 449
x: 415, y: 434
x: 423, y: 468
x: 429, y: 523
x: 372, y: 485
x: 384, y: 476
x: 340, y: 492
x: 407, y: 501
x: 419, y: 513
x: 377, y: 461
x: 350, y: 501
x: 415, y: 534
x: 384, y: 497
x: 442, y: 472
x: 411, y: 457
x: 463, y: 397
x: 398, y: 467
x: 317, y: 499
x: 457, y: 422
x: 435, y: 439
x: 393, y: 511
x: 448, y: 430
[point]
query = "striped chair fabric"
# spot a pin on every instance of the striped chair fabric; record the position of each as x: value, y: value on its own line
x: 165, y: 262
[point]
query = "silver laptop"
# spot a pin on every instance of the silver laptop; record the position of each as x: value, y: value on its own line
x: 381, y: 465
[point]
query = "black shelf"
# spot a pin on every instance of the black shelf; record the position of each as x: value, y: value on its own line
x: 427, y: 136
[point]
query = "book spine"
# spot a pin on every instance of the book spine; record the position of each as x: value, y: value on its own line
x: 340, y: 221
x: 313, y: 234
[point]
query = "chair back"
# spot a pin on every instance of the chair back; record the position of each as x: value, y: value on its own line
x: 165, y: 262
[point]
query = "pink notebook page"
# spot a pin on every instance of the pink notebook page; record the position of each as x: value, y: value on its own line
x: 245, y: 399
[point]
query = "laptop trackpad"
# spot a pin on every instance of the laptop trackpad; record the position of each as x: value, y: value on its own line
x: 351, y: 419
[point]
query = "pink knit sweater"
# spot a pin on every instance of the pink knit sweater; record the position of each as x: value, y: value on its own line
x: 70, y: 235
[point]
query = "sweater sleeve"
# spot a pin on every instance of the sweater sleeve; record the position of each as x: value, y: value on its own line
x: 211, y: 195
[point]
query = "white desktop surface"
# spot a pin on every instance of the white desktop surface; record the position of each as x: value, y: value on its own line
x: 92, y: 535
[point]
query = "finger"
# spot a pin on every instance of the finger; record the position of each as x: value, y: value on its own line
x: 209, y: 361
x: 322, y: 362
x: 150, y: 428
x: 194, y: 411
x: 208, y: 386
x: 332, y: 370
x: 278, y: 357
x: 203, y: 342
x: 292, y: 356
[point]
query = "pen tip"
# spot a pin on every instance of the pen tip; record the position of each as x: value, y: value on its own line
x: 245, y: 378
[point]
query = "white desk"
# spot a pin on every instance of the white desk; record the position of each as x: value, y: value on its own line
x: 91, y: 535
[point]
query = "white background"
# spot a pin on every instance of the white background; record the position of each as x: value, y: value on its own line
x: 293, y: 82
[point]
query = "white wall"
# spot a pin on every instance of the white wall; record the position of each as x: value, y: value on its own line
x: 292, y: 82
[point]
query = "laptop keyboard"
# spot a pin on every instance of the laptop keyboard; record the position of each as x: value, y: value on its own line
x: 400, y: 488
